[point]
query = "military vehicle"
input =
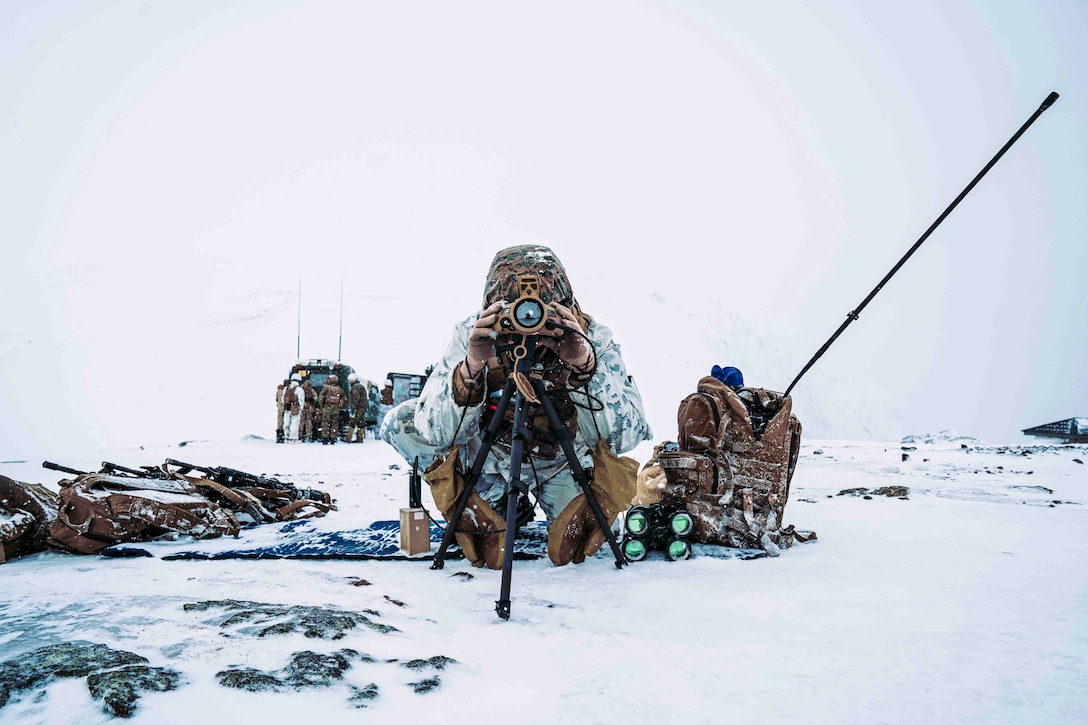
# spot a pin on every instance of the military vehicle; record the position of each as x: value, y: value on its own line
x: 317, y: 371
x: 400, y: 387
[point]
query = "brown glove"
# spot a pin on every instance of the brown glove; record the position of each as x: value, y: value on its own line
x: 574, y: 534
x: 480, y: 529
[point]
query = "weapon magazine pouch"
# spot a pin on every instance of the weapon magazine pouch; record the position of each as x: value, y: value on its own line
x: 98, y: 510
x: 575, y: 534
x: 478, y: 531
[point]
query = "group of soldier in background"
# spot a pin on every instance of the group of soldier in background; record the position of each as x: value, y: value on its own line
x: 300, y: 410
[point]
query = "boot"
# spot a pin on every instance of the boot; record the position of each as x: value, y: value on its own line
x: 279, y: 436
x: 350, y: 437
x: 574, y: 534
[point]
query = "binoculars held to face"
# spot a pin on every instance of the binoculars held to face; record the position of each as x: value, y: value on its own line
x: 528, y: 314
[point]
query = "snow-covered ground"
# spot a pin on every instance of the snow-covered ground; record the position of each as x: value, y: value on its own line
x: 967, y: 602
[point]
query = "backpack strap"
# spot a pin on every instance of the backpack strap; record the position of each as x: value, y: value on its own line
x: 713, y: 409
x: 718, y: 426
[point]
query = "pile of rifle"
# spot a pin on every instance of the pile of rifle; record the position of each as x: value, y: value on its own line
x: 118, y: 504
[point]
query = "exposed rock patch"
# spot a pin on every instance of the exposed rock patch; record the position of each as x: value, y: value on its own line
x: 306, y: 670
x: 889, y: 491
x: 892, y: 491
x: 438, y: 662
x: 120, y: 689
x: 361, y: 696
x: 424, y: 686
x: 315, y: 622
x: 114, y: 676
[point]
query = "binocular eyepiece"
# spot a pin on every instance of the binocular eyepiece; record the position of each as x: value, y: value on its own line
x: 657, y: 527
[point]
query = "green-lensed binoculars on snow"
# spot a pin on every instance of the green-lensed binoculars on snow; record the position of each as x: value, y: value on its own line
x: 656, y: 527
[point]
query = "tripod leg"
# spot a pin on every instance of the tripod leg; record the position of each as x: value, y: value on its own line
x: 474, y: 475
x: 580, y: 476
x: 517, y: 487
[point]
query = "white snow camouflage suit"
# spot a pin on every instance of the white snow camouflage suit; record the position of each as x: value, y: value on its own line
x: 428, y: 425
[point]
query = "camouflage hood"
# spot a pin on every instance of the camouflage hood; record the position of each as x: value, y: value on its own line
x: 502, y: 278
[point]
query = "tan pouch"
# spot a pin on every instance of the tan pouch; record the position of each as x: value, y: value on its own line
x: 480, y: 530
x: 575, y: 534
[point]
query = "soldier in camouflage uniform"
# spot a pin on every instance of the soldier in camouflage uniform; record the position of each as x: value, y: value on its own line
x: 331, y: 400
x: 358, y: 400
x: 309, y: 411
x: 596, y: 399
x: 292, y: 400
x: 279, y: 409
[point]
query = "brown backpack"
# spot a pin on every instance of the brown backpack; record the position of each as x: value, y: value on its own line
x: 333, y: 395
x: 26, y: 512
x: 291, y: 401
x: 731, y: 466
x: 98, y: 510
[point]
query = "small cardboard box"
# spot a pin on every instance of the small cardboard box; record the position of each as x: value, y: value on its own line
x: 415, y: 532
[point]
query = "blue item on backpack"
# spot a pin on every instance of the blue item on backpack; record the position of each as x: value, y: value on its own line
x: 729, y: 375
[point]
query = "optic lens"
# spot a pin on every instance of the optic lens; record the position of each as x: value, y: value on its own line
x: 637, y: 522
x: 678, y: 549
x: 680, y: 523
x: 634, y: 550
x: 529, y: 313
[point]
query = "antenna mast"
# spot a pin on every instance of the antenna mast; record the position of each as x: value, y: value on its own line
x: 853, y: 315
x: 298, y: 338
x: 340, y: 345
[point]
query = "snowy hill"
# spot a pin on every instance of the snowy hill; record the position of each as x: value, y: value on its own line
x: 188, y: 366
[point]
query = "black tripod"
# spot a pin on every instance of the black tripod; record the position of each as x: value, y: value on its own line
x: 519, y: 436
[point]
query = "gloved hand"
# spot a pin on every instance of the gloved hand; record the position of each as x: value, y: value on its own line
x: 573, y: 348
x: 481, y: 340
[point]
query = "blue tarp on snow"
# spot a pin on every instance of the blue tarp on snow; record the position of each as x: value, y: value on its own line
x: 380, y: 540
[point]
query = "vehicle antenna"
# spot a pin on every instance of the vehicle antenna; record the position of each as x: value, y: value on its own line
x: 298, y: 338
x: 851, y: 316
x: 340, y: 345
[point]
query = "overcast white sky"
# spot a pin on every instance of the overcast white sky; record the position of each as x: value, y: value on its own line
x: 724, y: 181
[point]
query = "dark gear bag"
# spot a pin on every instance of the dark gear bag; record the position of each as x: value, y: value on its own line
x: 26, y: 512
x: 98, y: 510
x: 732, y: 465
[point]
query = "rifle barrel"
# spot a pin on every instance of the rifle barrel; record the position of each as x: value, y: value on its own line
x: 108, y: 466
x: 190, y: 466
x: 63, y: 469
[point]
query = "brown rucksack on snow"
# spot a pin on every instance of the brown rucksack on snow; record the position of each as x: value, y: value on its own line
x: 26, y: 512
x: 99, y: 510
x: 730, y: 467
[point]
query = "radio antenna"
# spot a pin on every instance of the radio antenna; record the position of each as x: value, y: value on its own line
x: 851, y: 316
x: 340, y: 345
x: 298, y: 337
